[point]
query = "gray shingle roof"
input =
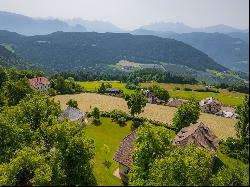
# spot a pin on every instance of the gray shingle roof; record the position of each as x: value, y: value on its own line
x: 73, y: 114
x: 122, y: 154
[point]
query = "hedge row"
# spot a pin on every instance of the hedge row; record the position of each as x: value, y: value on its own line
x: 122, y: 117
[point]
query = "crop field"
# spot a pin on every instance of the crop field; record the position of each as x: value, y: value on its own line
x: 222, y: 127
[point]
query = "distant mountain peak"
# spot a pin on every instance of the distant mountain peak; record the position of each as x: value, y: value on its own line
x: 167, y: 27
x: 95, y: 25
x: 179, y: 27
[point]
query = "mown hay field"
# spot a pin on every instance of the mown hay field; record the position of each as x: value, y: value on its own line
x: 222, y: 127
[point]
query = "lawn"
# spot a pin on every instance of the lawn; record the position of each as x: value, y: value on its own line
x: 93, y: 86
x: 111, y: 134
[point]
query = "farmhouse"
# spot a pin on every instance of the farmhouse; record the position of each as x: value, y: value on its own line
x: 197, y: 134
x: 114, y: 90
x: 40, y: 83
x: 175, y: 102
x: 72, y: 114
x: 151, y: 98
x: 122, y: 155
x: 210, y: 105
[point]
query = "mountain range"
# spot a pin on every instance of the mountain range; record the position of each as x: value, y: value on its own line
x: 75, y: 50
x: 224, y: 44
x: 29, y: 26
x: 229, y: 51
x: 95, y: 26
x: 182, y: 28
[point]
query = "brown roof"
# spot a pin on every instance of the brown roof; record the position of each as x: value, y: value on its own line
x: 197, y: 134
x: 122, y: 154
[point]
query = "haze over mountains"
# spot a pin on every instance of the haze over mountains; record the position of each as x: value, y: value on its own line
x: 22, y: 24
x: 226, y: 45
x: 182, y: 28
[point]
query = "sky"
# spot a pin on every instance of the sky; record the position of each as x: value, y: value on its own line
x: 131, y: 14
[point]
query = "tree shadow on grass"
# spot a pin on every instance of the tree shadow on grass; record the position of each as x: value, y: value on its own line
x: 107, y: 163
x: 217, y: 165
x: 96, y: 122
x: 124, y: 183
x: 122, y: 124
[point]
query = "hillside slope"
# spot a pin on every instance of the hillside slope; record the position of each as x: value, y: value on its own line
x: 75, y: 51
x: 231, y: 52
x: 9, y: 59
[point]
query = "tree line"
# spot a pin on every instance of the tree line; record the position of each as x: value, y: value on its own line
x: 135, y: 77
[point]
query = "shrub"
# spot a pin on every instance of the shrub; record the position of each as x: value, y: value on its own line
x: 187, y: 89
x: 72, y: 103
x: 122, y: 120
x: 116, y: 114
x: 176, y: 88
x: 236, y: 149
x: 96, y: 113
x: 206, y: 90
x: 52, y: 92
x: 131, y: 86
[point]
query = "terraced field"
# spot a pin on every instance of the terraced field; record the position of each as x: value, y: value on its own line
x: 222, y: 127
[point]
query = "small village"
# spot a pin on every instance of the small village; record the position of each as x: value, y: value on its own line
x: 198, y: 134
x: 124, y: 93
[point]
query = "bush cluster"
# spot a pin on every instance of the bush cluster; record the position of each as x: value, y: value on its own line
x: 187, y: 89
x: 236, y: 149
x: 206, y: 90
x: 121, y: 117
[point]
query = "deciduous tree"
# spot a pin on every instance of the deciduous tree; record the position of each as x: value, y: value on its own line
x: 136, y: 102
x: 242, y: 126
x: 186, y: 114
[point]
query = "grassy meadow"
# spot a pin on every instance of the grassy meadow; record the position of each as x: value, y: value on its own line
x: 93, y: 86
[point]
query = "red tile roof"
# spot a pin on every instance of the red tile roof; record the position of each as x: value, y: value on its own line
x: 39, y: 80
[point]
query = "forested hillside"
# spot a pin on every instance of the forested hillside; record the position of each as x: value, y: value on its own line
x: 229, y: 50
x: 9, y: 59
x: 74, y: 51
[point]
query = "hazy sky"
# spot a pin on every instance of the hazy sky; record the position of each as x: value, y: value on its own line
x: 131, y: 14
